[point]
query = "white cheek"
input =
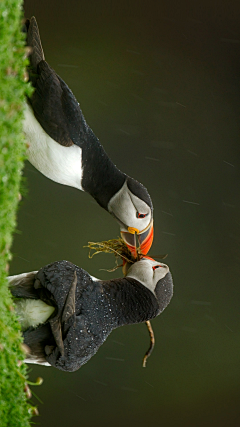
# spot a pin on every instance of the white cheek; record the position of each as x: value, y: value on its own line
x: 143, y: 272
x: 160, y: 273
x: 122, y: 207
x: 125, y: 206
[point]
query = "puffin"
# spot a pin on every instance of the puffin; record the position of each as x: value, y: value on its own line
x: 64, y: 148
x: 66, y: 314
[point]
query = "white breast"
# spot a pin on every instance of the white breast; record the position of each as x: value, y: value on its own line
x: 58, y: 163
x: 32, y: 312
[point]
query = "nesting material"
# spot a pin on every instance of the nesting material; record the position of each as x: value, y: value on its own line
x: 120, y: 250
x: 152, y: 343
x: 115, y: 246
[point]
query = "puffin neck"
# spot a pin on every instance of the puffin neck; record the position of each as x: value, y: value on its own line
x: 130, y: 301
x: 101, y: 178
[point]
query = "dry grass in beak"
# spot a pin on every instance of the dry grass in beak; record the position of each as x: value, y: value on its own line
x: 115, y: 246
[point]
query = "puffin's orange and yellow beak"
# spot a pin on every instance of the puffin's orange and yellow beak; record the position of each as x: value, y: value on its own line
x: 138, y: 242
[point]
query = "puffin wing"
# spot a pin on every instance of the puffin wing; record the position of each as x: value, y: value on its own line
x: 73, y: 292
x: 55, y: 107
x: 80, y: 344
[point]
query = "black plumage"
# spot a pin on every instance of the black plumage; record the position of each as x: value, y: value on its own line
x: 86, y: 311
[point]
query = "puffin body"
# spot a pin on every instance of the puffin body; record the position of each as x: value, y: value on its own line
x: 64, y: 148
x: 66, y: 314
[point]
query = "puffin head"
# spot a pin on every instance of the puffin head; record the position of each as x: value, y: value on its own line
x: 132, y: 207
x: 156, y: 277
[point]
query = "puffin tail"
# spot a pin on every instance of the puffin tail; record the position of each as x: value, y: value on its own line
x: 38, y: 340
x: 34, y: 42
x: 33, y: 315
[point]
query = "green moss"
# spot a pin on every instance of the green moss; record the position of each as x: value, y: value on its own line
x: 14, y: 409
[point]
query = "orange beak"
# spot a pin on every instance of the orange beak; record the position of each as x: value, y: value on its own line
x: 138, y: 242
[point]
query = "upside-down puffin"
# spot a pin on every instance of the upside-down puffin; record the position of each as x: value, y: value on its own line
x: 66, y: 314
x: 64, y: 148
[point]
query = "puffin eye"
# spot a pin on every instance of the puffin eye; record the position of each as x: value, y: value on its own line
x: 139, y: 215
x: 156, y: 266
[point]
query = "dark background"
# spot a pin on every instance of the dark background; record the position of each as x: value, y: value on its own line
x: 159, y: 84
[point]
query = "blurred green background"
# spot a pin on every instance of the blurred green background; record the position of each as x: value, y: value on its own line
x: 158, y: 82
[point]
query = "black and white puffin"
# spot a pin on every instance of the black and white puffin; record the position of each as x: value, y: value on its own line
x: 64, y: 148
x: 66, y: 314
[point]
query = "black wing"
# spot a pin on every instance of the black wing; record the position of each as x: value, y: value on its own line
x: 53, y: 103
x: 78, y: 327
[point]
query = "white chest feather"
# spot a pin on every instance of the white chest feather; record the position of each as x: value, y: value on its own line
x: 32, y: 312
x: 58, y: 163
